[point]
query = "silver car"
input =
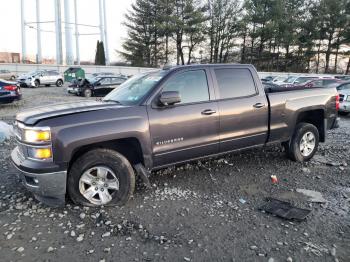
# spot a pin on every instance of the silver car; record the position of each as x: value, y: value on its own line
x: 344, y: 101
x: 7, y: 74
x: 42, y: 77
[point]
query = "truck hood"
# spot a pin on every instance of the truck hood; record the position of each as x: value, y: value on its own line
x: 34, y: 115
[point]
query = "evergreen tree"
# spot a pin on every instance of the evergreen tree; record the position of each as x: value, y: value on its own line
x: 100, y: 58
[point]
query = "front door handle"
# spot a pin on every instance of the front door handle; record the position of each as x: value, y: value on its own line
x: 258, y: 105
x: 208, y: 112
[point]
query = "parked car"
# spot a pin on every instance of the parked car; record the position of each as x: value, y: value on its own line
x: 321, y: 82
x: 97, y: 86
x: 341, y: 85
x: 344, y: 99
x: 9, y: 92
x: 267, y: 79
x: 7, y: 74
x: 91, y: 150
x: 103, y: 74
x: 279, y: 80
x: 343, y: 77
x: 41, y: 77
x: 297, y: 81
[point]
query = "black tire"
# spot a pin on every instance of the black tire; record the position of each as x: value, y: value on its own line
x: 87, y: 92
x: 341, y: 113
x: 59, y: 83
x: 13, y: 78
x: 108, y: 158
x: 36, y: 83
x: 293, y: 146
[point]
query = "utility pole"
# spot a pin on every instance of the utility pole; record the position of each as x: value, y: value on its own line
x: 58, y: 26
x: 77, y: 52
x: 68, y: 33
x: 38, y: 33
x: 23, y: 34
x: 105, y: 33
x: 100, y: 8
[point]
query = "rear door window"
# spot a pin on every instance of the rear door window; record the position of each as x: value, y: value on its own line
x: 235, y: 82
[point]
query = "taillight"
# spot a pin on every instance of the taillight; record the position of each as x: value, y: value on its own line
x: 10, y: 88
x: 337, y: 102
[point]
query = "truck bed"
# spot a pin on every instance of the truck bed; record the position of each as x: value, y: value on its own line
x: 286, y: 103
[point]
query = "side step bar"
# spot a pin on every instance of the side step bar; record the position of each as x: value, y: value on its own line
x: 144, y: 174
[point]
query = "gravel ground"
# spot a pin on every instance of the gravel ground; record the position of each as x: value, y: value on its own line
x: 192, y: 213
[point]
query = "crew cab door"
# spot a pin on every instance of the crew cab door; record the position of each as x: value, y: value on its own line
x: 188, y: 129
x: 242, y: 106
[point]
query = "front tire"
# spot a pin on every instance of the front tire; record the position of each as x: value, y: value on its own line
x: 87, y: 92
x: 101, y: 177
x: 36, y: 83
x: 304, y: 143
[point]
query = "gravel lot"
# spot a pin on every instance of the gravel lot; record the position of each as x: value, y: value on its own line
x: 192, y: 213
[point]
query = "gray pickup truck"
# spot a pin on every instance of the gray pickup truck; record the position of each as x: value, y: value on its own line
x: 91, y: 151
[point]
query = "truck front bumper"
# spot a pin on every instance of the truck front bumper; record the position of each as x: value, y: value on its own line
x: 47, y: 187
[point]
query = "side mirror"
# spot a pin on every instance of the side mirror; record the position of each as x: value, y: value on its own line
x: 169, y: 98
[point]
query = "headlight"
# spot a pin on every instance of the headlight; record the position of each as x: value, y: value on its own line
x: 348, y: 98
x: 34, y: 136
x: 40, y: 153
x: 37, y: 135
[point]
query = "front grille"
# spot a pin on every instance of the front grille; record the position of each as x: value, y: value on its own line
x: 341, y: 98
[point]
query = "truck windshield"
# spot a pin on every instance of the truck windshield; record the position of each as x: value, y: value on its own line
x: 134, y: 89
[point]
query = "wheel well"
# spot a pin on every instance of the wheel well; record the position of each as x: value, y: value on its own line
x: 315, y: 117
x: 128, y: 147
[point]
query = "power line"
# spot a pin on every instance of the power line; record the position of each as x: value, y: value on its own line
x: 47, y: 22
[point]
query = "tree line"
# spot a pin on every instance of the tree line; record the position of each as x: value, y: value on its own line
x: 274, y: 35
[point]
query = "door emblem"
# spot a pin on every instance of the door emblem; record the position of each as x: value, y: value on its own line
x: 170, y: 141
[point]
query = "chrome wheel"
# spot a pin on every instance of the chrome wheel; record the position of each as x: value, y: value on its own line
x: 98, y: 184
x: 307, y: 144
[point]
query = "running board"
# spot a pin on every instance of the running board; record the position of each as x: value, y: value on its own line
x: 144, y: 174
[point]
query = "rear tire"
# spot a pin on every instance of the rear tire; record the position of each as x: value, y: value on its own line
x: 59, y: 83
x: 117, y: 168
x: 303, y: 144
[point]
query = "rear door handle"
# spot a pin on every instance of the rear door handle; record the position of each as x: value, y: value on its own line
x: 208, y: 112
x: 258, y: 105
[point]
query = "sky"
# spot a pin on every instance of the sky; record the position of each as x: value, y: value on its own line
x: 88, y: 13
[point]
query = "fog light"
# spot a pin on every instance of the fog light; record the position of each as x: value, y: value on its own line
x: 43, y: 153
x: 40, y: 153
x: 36, y: 181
